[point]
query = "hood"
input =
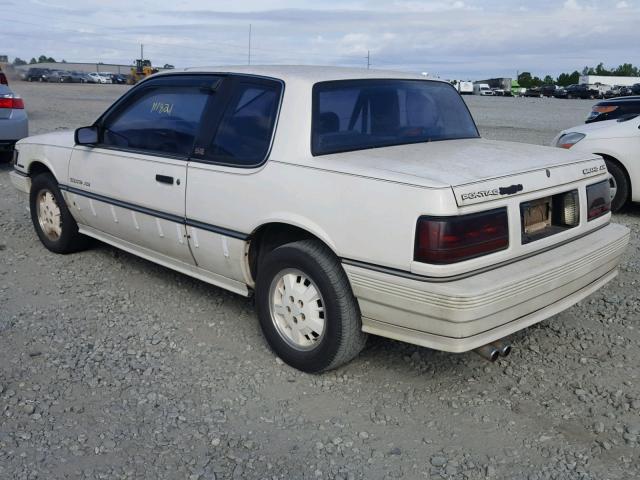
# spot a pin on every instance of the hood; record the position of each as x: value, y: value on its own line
x: 450, y: 162
x: 56, y: 139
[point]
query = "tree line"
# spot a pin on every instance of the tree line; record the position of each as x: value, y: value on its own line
x: 41, y: 59
x: 44, y: 59
x: 526, y: 80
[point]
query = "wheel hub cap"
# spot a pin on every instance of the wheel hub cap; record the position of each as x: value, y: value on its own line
x: 49, y: 216
x: 297, y: 309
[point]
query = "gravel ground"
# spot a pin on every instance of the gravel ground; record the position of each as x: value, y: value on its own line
x: 112, y: 367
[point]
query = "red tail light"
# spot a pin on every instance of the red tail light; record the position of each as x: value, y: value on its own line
x: 598, y: 199
x: 441, y: 240
x: 11, y: 101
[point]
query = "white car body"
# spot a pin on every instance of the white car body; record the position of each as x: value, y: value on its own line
x: 617, y: 141
x: 99, y: 78
x: 363, y: 205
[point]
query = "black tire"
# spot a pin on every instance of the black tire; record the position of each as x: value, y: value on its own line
x: 69, y: 240
x: 343, y: 338
x: 622, y: 194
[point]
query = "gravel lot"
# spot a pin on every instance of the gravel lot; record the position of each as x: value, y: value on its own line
x: 113, y: 368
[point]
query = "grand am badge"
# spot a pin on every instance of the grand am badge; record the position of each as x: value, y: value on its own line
x: 588, y: 171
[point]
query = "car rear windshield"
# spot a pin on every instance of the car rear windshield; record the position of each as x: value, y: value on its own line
x: 360, y: 114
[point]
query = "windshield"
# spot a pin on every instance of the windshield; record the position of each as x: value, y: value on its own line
x: 361, y: 114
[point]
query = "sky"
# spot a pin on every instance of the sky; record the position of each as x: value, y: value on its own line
x: 460, y: 39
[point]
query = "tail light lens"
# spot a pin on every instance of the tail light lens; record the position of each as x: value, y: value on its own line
x: 11, y: 101
x: 598, y: 199
x: 442, y: 240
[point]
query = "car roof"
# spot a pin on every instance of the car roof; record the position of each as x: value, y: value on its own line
x: 630, y: 99
x: 303, y: 73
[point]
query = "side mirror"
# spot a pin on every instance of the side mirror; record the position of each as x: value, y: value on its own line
x: 86, y: 135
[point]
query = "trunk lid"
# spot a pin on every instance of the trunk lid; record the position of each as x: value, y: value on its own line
x: 476, y: 169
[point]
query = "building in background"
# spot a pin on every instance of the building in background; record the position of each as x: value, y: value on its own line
x: 606, y: 80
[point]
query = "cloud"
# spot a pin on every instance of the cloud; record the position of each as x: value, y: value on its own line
x: 455, y: 39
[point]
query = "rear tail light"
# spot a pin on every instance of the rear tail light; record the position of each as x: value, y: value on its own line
x: 598, y: 199
x: 11, y: 101
x: 442, y: 240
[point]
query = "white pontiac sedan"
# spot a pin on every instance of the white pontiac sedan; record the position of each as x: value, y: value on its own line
x: 347, y: 201
x: 618, y: 142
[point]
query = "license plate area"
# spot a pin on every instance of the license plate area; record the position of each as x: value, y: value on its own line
x: 546, y: 216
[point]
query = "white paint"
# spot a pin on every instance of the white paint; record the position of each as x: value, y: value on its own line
x: 135, y: 220
x: 180, y: 233
x: 160, y: 232
x: 194, y: 238
x: 113, y: 213
x: 225, y: 247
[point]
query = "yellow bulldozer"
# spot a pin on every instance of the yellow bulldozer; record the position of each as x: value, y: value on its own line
x: 142, y: 70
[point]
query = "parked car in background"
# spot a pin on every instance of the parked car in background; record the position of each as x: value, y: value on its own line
x: 59, y: 76
x: 533, y: 92
x: 482, y: 89
x: 14, y: 124
x: 613, y: 92
x: 623, y: 107
x: 97, y: 78
x: 78, y: 77
x: 635, y: 88
x: 471, y: 241
x: 577, y: 91
x: 118, y: 79
x: 83, y: 77
x: 3, y: 78
x: 106, y: 76
x: 626, y: 91
x: 548, y: 90
x: 618, y: 142
x: 37, y: 74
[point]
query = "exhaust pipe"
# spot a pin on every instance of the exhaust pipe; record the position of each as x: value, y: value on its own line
x: 503, y: 346
x: 488, y: 352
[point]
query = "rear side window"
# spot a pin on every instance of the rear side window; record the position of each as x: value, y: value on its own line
x: 161, y: 119
x: 360, y: 114
x: 243, y: 137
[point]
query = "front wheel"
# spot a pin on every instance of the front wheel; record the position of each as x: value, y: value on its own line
x: 56, y: 228
x: 306, y: 309
x: 618, y: 186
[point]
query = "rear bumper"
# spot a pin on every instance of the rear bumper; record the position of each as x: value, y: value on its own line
x: 461, y: 315
x: 14, y: 128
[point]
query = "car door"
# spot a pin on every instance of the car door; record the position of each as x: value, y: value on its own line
x: 223, y: 170
x: 131, y: 186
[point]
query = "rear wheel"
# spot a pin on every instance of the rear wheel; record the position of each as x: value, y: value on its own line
x: 56, y: 228
x: 306, y: 309
x: 618, y: 184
